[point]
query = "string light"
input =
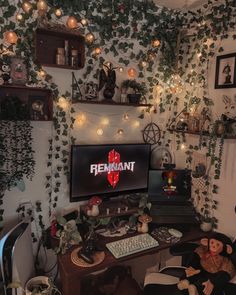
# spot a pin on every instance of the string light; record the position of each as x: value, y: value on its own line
x: 132, y: 73
x: 19, y: 17
x: 89, y: 38
x: 105, y: 121
x: 156, y: 43
x: 121, y: 69
x: 42, y: 6
x: 120, y: 131
x: 72, y: 22
x: 10, y: 37
x: 26, y: 6
x: 199, y: 54
x: 84, y: 21
x: 183, y: 146
x: 136, y: 123
x: 126, y: 116
x: 63, y: 103
x: 97, y: 50
x: 144, y: 64
x: 80, y: 120
x: 42, y: 73
x: 100, y: 131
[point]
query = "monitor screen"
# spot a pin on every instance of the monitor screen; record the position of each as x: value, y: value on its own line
x: 108, y: 170
x: 169, y: 185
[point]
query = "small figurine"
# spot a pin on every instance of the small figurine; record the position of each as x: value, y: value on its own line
x: 107, y: 78
x: 93, y: 209
x: 210, y: 268
x: 144, y: 220
x: 5, y: 75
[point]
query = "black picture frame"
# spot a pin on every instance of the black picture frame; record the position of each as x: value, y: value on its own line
x: 225, y: 76
x: 38, y: 108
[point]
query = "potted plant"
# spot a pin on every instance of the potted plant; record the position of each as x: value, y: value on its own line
x: 40, y: 285
x: 206, y: 222
x: 137, y: 90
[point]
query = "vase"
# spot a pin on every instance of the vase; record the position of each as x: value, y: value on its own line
x: 134, y: 98
x: 206, y: 226
x: 108, y: 93
x: 30, y: 287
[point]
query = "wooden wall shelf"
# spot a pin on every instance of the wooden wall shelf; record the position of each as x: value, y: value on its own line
x: 113, y: 103
x: 47, y: 41
x: 39, y: 100
x: 125, y: 209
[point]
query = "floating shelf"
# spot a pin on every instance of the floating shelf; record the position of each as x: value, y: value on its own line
x: 47, y: 41
x: 113, y: 103
x: 39, y: 100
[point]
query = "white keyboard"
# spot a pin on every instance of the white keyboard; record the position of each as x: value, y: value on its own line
x: 131, y: 245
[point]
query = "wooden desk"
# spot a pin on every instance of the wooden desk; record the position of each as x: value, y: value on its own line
x: 71, y: 274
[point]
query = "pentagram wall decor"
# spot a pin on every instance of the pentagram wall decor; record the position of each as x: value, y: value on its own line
x: 151, y: 133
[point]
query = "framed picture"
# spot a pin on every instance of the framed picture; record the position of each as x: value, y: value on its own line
x: 19, y: 73
x: 91, y: 91
x: 225, y: 71
x: 38, y: 108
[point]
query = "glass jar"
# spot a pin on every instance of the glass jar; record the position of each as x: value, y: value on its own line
x: 74, y: 58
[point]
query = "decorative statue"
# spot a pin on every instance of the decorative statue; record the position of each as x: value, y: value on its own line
x: 107, y: 78
x: 211, y: 267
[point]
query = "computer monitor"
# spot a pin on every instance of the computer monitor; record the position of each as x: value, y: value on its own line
x: 163, y: 190
x: 108, y: 170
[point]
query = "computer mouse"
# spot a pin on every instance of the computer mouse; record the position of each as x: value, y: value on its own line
x: 174, y: 232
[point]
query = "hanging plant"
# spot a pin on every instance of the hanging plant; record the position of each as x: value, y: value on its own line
x: 16, y: 153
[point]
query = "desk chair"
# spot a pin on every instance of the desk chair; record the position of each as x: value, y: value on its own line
x: 165, y: 281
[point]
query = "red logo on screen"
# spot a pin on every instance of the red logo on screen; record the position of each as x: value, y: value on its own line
x: 113, y: 176
x: 112, y: 168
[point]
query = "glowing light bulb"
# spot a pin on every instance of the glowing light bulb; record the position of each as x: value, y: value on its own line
x: 89, y: 38
x: 58, y: 12
x: 42, y: 73
x: 105, y: 121
x: 199, y: 54
x: 84, y: 21
x: 100, y: 131
x: 97, y: 50
x: 72, y: 22
x: 42, y: 5
x: 144, y: 64
x: 156, y: 43
x: 183, y: 146
x: 120, y: 131
x: 136, y: 124
x: 63, y: 103
x: 121, y: 70
x: 26, y: 6
x: 126, y: 117
x: 19, y: 17
x: 80, y: 120
x: 10, y: 37
x: 132, y: 73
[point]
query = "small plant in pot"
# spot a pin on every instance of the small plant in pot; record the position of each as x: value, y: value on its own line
x: 206, y: 222
x: 135, y: 90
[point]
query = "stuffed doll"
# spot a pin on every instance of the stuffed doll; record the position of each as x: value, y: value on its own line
x: 210, y: 268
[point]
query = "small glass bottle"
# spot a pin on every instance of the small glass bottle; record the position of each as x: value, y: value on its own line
x: 60, y: 56
x: 74, y: 58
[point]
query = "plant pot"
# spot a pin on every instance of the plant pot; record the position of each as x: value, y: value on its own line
x: 134, y: 98
x: 42, y: 281
x: 206, y: 226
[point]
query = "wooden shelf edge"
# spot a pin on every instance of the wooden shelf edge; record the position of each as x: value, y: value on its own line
x: 112, y: 103
x: 14, y: 86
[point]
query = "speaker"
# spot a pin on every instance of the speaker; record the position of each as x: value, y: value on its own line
x: 16, y: 257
